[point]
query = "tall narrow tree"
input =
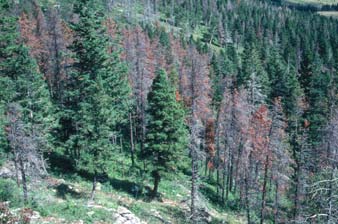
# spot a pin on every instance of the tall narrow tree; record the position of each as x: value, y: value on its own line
x: 166, y: 131
x: 98, y: 92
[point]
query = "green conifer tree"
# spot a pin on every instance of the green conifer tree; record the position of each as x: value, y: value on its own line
x: 253, y: 76
x: 318, y: 101
x: 166, y: 136
x: 98, y: 93
x: 22, y: 85
x: 20, y: 79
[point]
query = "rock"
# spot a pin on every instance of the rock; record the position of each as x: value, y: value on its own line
x: 124, y: 216
x: 98, y: 186
x: 8, y: 170
x: 35, y: 215
x: 61, y: 181
x: 5, y: 172
x: 205, y: 215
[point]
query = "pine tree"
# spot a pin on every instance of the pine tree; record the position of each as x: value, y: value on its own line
x: 98, y: 92
x: 166, y: 132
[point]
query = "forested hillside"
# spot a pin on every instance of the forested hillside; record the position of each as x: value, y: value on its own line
x: 177, y: 111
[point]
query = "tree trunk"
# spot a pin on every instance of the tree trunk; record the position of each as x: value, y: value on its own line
x: 92, y: 195
x: 24, y: 181
x: 276, y: 203
x: 206, y: 166
x: 231, y: 173
x: 297, y: 189
x: 218, y: 157
x: 157, y: 179
x: 194, y: 177
x: 264, y: 188
x: 239, y: 154
x: 132, y: 151
x: 229, y: 176
x: 224, y: 184
x: 16, y: 170
x: 227, y: 185
x: 247, y: 203
x: 329, y: 217
x: 43, y: 164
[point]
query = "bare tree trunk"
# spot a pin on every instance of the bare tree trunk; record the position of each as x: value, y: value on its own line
x: 43, y: 164
x: 16, y: 169
x: 264, y: 188
x: 172, y: 5
x: 276, y: 212
x: 194, y: 178
x: 229, y: 177
x: 206, y: 166
x: 132, y: 151
x: 218, y: 153
x: 194, y: 171
x: 92, y: 195
x: 154, y: 6
x: 24, y: 181
x: 329, y: 217
x: 224, y: 183
x: 247, y: 203
x: 227, y: 184
x: 297, y: 189
x: 239, y: 154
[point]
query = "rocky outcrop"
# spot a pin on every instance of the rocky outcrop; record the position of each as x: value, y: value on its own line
x: 124, y: 216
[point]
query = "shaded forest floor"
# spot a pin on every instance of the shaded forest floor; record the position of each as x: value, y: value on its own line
x: 63, y: 197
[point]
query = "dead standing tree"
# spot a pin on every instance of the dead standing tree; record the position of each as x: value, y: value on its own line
x: 198, y: 98
x: 25, y: 143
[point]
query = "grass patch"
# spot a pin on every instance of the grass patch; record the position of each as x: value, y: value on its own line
x: 332, y: 14
x: 314, y: 2
x: 9, y: 191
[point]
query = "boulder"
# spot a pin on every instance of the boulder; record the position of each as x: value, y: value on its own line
x: 7, y: 170
x: 124, y: 216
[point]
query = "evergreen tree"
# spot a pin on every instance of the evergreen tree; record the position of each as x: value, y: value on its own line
x: 166, y: 136
x: 20, y: 79
x: 7, y: 39
x: 222, y: 66
x: 98, y: 93
x: 22, y: 85
x: 284, y: 82
x: 253, y: 76
x: 318, y: 101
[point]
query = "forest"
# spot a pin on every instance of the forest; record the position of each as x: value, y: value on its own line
x: 176, y: 111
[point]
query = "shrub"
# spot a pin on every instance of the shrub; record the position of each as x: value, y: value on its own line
x: 9, y: 192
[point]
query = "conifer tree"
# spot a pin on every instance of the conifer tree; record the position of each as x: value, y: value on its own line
x: 253, y: 76
x: 318, y: 100
x: 166, y: 136
x: 23, y: 86
x: 98, y: 92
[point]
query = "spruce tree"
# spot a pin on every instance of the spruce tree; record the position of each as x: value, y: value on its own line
x: 166, y: 136
x: 98, y: 93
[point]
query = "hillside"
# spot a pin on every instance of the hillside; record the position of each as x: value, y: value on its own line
x: 62, y: 198
x: 325, y: 8
x: 168, y: 111
x: 321, y: 2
